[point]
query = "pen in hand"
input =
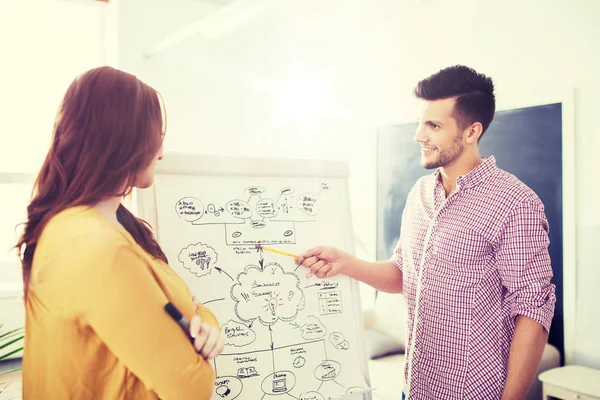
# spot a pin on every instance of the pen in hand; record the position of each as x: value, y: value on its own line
x: 209, y: 342
x: 179, y: 318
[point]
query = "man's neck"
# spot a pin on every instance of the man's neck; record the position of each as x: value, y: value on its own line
x: 459, y: 167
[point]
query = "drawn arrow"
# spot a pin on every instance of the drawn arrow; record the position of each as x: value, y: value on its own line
x: 295, y: 325
x: 271, y: 335
x: 261, y: 261
x: 223, y: 272
x: 272, y: 347
x: 316, y: 284
x: 210, y: 301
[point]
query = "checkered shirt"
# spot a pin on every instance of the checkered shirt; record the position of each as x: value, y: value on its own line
x: 471, y: 263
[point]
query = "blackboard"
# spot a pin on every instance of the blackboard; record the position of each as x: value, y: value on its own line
x: 526, y: 142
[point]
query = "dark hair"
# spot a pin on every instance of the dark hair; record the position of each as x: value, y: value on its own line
x: 108, y: 129
x: 474, y: 93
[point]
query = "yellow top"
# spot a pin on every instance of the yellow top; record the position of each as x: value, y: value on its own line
x: 95, y: 323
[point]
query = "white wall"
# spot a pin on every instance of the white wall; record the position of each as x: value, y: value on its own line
x: 315, y: 79
x: 44, y: 44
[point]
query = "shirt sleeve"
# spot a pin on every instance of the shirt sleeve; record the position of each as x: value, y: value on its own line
x: 120, y: 299
x: 524, y: 264
x: 396, y: 257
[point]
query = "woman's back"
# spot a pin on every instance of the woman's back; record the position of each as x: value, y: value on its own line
x: 95, y: 324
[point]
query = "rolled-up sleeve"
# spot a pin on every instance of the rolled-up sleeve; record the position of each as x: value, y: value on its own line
x: 524, y: 263
x: 396, y: 257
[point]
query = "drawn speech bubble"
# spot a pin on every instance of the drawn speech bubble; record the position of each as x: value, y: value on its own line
x: 198, y: 258
x: 189, y: 209
x: 313, y: 329
x: 237, y: 334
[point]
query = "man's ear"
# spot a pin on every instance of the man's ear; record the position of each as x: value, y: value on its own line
x: 473, y: 132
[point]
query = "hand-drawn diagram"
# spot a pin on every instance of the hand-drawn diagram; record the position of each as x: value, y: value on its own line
x: 255, y: 219
x: 283, y: 327
x: 267, y: 294
x: 266, y: 297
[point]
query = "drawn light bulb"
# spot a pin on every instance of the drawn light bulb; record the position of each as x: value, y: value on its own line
x: 223, y: 391
x: 272, y: 306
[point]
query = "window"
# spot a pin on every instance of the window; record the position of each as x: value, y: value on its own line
x: 47, y: 44
x: 15, y: 190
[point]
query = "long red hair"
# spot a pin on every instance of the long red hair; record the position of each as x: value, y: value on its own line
x: 108, y: 129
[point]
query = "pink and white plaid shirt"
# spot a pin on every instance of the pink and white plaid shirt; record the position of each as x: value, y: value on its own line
x: 471, y: 263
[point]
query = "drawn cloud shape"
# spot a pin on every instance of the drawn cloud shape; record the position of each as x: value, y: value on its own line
x: 313, y: 328
x: 237, y: 334
x: 198, y: 258
x: 268, y: 295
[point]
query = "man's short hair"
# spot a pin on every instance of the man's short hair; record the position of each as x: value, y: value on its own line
x: 474, y: 93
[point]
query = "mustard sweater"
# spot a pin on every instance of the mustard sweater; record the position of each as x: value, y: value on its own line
x: 95, y: 323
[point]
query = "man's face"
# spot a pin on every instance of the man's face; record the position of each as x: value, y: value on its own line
x: 438, y: 134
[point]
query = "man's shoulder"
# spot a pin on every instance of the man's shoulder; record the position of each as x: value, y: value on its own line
x: 507, y: 191
x: 426, y: 182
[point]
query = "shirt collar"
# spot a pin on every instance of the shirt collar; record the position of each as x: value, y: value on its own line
x: 477, y: 175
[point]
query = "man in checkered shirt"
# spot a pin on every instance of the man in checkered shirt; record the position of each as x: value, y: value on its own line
x: 472, y: 259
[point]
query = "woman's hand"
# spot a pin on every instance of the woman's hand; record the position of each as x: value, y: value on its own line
x: 208, y: 340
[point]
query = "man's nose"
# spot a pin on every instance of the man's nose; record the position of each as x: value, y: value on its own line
x: 420, y: 135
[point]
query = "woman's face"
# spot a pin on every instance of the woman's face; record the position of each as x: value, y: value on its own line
x: 146, y: 178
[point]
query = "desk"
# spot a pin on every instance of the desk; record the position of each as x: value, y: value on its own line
x: 571, y: 382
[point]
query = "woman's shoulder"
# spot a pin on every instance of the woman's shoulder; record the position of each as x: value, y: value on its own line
x: 84, y: 231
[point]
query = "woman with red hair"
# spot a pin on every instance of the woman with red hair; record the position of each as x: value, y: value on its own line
x: 95, y: 279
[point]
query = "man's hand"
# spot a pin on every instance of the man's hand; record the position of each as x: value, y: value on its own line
x: 324, y: 262
x: 208, y: 340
